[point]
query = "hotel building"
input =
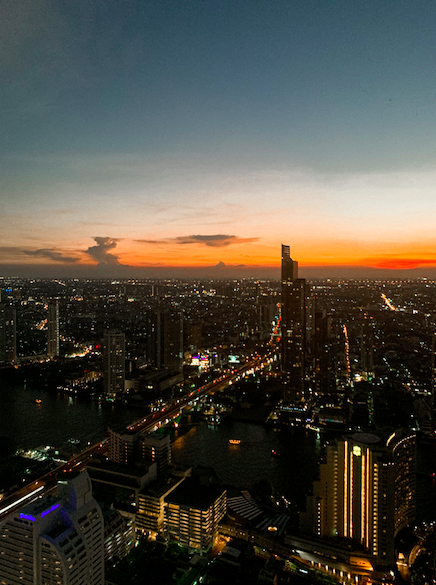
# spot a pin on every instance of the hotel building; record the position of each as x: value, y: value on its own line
x: 354, y: 496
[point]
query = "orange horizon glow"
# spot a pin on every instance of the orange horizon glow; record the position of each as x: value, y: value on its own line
x: 243, y: 254
x: 385, y: 264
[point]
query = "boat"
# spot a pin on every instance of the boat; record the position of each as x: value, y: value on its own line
x: 38, y: 401
x: 274, y: 453
x: 234, y: 441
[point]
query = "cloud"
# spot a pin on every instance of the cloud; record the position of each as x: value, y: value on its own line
x: 100, y: 252
x: 51, y: 254
x: 213, y: 241
x: 222, y: 265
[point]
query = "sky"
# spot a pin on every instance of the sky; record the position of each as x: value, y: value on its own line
x: 167, y: 138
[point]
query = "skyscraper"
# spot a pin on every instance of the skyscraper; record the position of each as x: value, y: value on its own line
x: 53, y: 328
x: 365, y: 492
x: 10, y: 333
x: 114, y: 364
x: 55, y: 540
x: 172, y: 340
x: 403, y: 446
x: 367, y: 348
x: 321, y: 358
x: 165, y: 339
x: 293, y: 328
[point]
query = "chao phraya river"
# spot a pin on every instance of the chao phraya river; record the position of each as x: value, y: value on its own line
x: 59, y: 417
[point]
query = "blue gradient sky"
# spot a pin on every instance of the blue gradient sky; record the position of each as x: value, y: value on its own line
x: 200, y: 133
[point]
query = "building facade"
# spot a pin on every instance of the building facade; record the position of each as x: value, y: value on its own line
x: 192, y: 514
x: 119, y: 535
x: 365, y: 492
x: 156, y: 447
x: 114, y: 366
x: 53, y: 328
x: 8, y: 333
x: 123, y: 446
x: 150, y: 514
x: 293, y: 329
x: 56, y: 540
x: 403, y: 446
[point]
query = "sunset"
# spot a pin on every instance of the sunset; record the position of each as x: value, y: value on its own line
x: 217, y: 292
x: 170, y: 135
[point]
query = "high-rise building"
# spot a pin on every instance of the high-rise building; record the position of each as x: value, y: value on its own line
x: 8, y: 333
x: 367, y: 348
x: 150, y: 512
x: 119, y: 534
x: 114, y: 356
x: 11, y: 333
x: 156, y: 447
x: 194, y: 338
x: 53, y: 328
x: 403, y: 446
x: 123, y: 446
x: 130, y: 447
x: 171, y: 340
x: 193, y: 512
x: 321, y: 358
x: 365, y: 492
x: 55, y: 540
x: 293, y: 329
x: 165, y: 339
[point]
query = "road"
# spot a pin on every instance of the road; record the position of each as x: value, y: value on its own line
x: 151, y: 422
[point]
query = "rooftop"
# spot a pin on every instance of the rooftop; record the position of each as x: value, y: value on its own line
x: 193, y: 495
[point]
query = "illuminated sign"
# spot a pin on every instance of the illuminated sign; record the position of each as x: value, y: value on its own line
x: 49, y: 510
x: 357, y: 451
x: 27, y: 517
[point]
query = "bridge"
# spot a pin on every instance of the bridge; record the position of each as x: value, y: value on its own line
x: 47, y: 483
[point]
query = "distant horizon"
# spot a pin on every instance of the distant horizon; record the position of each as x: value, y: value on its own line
x: 217, y: 272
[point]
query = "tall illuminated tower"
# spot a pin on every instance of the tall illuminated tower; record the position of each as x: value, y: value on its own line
x: 53, y: 329
x: 114, y: 357
x: 365, y: 492
x: 293, y: 328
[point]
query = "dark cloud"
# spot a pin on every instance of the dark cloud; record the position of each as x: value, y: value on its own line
x: 100, y: 252
x: 222, y: 265
x: 214, y: 241
x: 51, y: 254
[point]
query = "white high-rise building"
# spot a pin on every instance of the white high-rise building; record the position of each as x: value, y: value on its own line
x: 55, y: 540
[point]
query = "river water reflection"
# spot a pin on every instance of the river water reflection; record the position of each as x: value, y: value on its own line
x: 59, y: 417
x: 290, y: 471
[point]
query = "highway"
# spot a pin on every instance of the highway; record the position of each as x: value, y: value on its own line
x: 47, y: 483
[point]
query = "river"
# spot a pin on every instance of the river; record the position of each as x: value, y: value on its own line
x: 59, y: 417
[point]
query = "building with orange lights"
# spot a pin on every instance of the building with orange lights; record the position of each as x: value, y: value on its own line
x: 365, y: 492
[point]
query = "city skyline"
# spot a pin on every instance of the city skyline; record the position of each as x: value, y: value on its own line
x: 191, y: 139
